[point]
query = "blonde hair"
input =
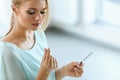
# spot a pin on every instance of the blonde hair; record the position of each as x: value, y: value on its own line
x: 17, y: 3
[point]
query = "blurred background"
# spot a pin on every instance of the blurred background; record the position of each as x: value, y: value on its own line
x: 78, y: 27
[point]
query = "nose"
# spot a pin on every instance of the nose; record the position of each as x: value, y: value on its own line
x: 38, y: 17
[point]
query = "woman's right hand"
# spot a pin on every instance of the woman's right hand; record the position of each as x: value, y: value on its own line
x: 48, y: 64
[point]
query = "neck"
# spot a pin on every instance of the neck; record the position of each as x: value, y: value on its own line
x: 21, y: 32
x: 20, y: 37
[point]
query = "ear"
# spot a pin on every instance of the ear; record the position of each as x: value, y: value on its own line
x: 14, y: 9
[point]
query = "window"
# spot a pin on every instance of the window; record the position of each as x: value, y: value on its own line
x: 64, y: 11
x: 110, y: 12
x: 5, y: 12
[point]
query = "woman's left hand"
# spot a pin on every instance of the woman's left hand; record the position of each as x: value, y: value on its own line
x: 73, y: 69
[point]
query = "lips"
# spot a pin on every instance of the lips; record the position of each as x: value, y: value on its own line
x: 36, y: 24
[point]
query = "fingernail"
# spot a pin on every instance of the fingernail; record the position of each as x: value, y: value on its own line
x: 80, y: 63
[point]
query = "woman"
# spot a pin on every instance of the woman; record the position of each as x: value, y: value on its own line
x: 24, y: 54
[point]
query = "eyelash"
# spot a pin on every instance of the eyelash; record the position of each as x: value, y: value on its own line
x: 31, y: 13
x: 42, y: 12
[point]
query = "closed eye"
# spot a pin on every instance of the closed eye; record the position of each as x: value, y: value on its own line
x: 42, y: 12
x: 31, y: 12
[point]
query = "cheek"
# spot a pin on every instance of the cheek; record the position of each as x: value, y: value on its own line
x: 24, y: 19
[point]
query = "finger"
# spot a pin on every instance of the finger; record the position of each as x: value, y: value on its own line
x: 50, y: 63
x: 79, y: 65
x: 80, y: 71
x: 77, y: 73
x: 53, y: 65
x: 74, y: 64
x: 79, y: 68
x: 45, y: 51
x: 48, y: 51
x: 48, y: 55
x: 56, y: 64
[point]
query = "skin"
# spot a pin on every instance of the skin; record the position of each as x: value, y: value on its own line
x: 28, y: 15
x: 74, y: 69
x: 48, y: 64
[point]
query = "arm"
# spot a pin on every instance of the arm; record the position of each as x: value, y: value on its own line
x: 42, y: 75
x: 59, y: 73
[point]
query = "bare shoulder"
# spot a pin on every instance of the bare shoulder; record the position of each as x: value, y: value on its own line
x: 5, y: 39
x: 8, y: 39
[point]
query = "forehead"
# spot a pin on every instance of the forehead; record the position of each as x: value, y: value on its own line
x: 38, y: 4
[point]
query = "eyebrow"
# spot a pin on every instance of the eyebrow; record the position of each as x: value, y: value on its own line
x: 36, y: 9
